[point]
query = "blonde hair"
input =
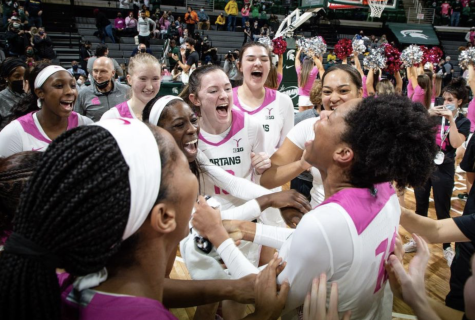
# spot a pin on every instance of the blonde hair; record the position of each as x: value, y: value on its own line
x: 138, y: 60
x: 271, y: 81
x: 425, y: 82
x: 316, y: 93
x: 307, y: 67
x: 385, y: 87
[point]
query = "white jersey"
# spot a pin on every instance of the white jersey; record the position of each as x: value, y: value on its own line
x: 26, y: 134
x: 232, y: 153
x: 122, y: 110
x: 299, y: 134
x: 349, y: 237
x: 276, y: 115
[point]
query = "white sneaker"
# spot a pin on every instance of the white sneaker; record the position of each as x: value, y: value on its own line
x: 410, y: 246
x: 449, y: 255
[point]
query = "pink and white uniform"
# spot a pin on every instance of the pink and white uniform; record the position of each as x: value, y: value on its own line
x: 26, y: 133
x: 122, y: 110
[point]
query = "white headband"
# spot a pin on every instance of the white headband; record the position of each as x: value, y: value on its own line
x: 45, y: 74
x: 158, y: 107
x: 140, y: 151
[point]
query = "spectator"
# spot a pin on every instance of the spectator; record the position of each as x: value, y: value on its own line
x: 263, y: 18
x: 85, y: 53
x: 174, y: 31
x: 131, y: 24
x: 255, y: 31
x: 143, y: 28
x: 265, y: 31
x: 444, y: 9
x: 174, y: 50
x: 274, y: 22
x: 75, y: 71
x: 192, y: 59
x: 448, y: 70
x: 16, y: 40
x: 176, y: 73
x: 34, y: 13
x: 220, y: 21
x: 382, y: 40
x: 171, y: 18
x: 254, y: 14
x: 145, y: 9
x: 155, y: 4
x: 23, y: 17
x: 102, y: 51
x: 331, y: 58
x: 44, y: 45
x: 119, y: 25
x: 191, y: 18
x: 184, y: 36
x: 470, y: 37
x: 456, y: 11
x: 103, y: 94
x: 182, y: 24
x: 232, y: 12
x: 247, y: 33
x: 245, y: 12
x: 231, y: 68
x: 103, y: 25
x: 12, y: 73
x: 30, y: 57
x: 203, y: 20
x: 8, y: 6
x: 164, y: 25
x: 141, y: 48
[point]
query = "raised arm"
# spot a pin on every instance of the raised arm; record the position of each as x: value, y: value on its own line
x: 411, y: 76
x: 370, y: 82
x: 280, y: 65
x: 358, y: 66
x: 397, y: 75
x: 297, y: 58
x: 318, y: 62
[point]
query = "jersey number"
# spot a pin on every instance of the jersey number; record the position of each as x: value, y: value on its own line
x: 218, y: 190
x: 382, y: 249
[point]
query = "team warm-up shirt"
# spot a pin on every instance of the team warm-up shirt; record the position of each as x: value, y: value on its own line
x: 299, y: 134
x: 276, y: 115
x: 349, y: 237
x: 232, y: 152
x: 26, y: 134
x: 122, y: 110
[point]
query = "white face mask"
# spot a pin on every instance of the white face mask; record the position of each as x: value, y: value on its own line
x: 202, y: 10
x: 79, y: 82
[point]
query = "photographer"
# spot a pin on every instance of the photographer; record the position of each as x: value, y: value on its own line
x: 231, y: 68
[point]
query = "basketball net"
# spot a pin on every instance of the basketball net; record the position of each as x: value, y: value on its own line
x: 377, y: 7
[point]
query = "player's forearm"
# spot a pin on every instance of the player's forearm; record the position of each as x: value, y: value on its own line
x: 423, y: 226
x: 276, y: 176
x: 443, y: 312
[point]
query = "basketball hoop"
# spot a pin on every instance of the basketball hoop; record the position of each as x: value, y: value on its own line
x: 377, y: 7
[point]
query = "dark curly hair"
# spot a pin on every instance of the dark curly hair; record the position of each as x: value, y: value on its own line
x: 392, y: 139
x: 76, y: 206
x: 458, y: 88
x: 15, y: 171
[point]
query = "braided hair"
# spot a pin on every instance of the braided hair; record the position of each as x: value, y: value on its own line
x: 15, y: 171
x: 76, y: 206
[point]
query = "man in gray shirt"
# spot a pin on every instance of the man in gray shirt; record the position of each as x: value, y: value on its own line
x: 103, y: 93
x: 103, y: 51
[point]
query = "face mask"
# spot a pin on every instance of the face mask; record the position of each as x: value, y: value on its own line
x: 79, y: 82
x: 17, y: 86
x: 202, y: 10
x: 16, y: 25
x: 101, y: 85
x: 29, y: 52
x: 143, y: 50
x: 187, y: 51
x: 75, y: 67
x: 41, y: 33
x: 21, y: 11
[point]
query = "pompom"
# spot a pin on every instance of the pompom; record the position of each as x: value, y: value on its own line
x: 375, y: 60
x: 467, y: 57
x: 393, y: 59
x: 412, y: 55
x: 266, y: 41
x: 280, y: 45
x: 434, y: 55
x: 358, y: 45
x: 315, y: 46
x: 343, y: 48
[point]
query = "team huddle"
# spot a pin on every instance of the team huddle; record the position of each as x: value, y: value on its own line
x: 93, y: 212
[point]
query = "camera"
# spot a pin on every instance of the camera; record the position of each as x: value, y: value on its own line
x: 202, y: 243
x: 229, y: 55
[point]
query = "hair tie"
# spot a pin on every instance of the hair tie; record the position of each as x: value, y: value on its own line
x: 19, y: 245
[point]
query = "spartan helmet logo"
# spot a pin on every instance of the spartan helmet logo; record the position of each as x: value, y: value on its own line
x: 414, y: 34
x: 291, y: 55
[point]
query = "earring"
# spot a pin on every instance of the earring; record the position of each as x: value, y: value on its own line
x: 38, y: 103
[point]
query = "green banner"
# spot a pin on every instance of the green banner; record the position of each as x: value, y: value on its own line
x: 414, y: 33
x: 289, y: 85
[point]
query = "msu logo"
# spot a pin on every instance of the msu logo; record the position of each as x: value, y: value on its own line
x: 270, y: 117
x: 238, y: 149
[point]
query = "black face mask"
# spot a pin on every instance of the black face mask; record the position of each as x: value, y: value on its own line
x: 143, y: 50
x: 75, y: 67
x: 101, y: 85
x: 187, y: 51
x: 17, y: 86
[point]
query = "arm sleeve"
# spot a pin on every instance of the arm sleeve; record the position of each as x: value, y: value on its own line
x: 271, y: 236
x: 322, y: 243
x: 248, y: 212
x: 10, y: 140
x: 464, y: 127
x: 236, y: 262
x: 288, y: 115
x: 466, y: 224
x: 238, y: 187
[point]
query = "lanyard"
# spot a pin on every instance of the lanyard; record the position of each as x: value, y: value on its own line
x: 443, y: 135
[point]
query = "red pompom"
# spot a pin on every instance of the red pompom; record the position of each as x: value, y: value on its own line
x: 425, y: 52
x: 280, y: 45
x: 343, y: 48
x: 434, y: 55
x: 393, y: 56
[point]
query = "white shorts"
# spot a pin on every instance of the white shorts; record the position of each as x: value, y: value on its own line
x: 304, y: 101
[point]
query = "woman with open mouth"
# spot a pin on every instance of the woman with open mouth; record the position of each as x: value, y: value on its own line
x: 350, y: 236
x: 45, y: 113
x: 144, y: 80
x: 340, y: 83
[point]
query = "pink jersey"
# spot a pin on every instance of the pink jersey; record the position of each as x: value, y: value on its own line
x: 418, y: 96
x: 93, y: 305
x: 122, y: 110
x: 305, y: 91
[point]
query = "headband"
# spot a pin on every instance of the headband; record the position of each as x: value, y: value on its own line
x: 158, y: 107
x: 140, y: 151
x: 45, y: 74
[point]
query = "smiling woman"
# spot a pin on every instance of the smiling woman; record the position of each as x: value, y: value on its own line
x: 45, y: 113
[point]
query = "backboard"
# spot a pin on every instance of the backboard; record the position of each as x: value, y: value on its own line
x: 391, y: 5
